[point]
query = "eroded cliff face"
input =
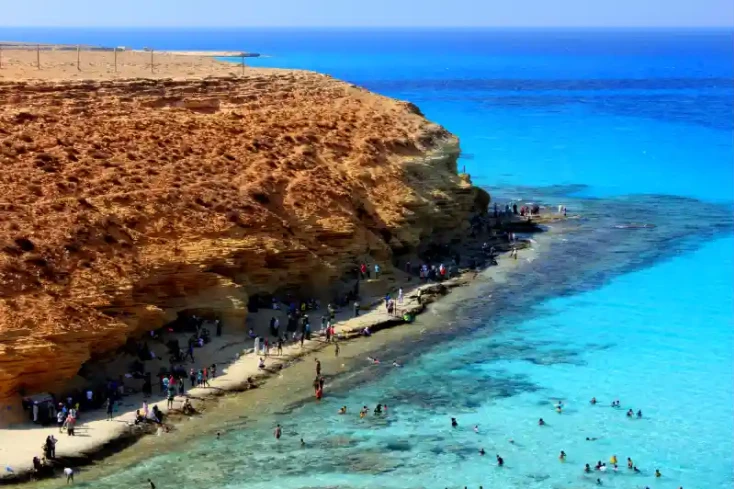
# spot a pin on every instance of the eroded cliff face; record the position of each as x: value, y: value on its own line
x: 124, y: 202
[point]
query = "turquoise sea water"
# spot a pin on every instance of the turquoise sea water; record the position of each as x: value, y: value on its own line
x: 622, y: 126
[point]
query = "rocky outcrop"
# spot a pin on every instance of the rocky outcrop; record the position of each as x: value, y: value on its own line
x: 125, y: 202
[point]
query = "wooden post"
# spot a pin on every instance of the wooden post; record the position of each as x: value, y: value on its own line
x: 115, y: 59
x: 151, y: 61
x: 38, y: 56
x: 78, y: 56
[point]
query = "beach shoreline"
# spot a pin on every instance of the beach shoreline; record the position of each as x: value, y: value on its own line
x: 102, y: 439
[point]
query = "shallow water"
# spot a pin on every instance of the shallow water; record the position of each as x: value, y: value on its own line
x: 619, y: 126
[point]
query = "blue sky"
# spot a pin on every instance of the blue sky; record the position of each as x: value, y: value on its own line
x: 305, y: 13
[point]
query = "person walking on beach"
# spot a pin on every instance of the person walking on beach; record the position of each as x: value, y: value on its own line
x: 318, y: 368
x: 336, y: 349
x: 278, y: 432
x: 280, y: 346
x: 60, y: 418
x: 110, y: 408
x: 70, y: 422
x: 400, y: 295
x: 356, y: 309
x: 205, y: 377
x: 171, y: 396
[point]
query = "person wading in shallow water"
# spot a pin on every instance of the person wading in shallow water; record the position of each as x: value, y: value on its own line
x: 152, y: 486
x: 278, y: 432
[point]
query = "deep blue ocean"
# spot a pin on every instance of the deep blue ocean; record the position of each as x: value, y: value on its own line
x: 619, y: 125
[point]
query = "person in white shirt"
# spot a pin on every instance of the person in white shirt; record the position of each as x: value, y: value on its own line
x: 69, y: 473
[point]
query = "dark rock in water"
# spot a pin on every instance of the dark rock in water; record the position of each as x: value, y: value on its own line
x: 437, y: 450
x: 399, y: 446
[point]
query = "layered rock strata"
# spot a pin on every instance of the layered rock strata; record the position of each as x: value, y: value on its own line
x: 125, y: 202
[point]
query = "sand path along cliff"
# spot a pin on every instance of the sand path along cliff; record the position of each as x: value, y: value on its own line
x: 126, y: 201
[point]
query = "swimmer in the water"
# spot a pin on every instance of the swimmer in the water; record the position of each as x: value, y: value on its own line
x: 373, y: 360
x: 639, y: 413
x: 500, y: 461
x: 613, y: 459
x: 363, y: 412
x: 629, y: 463
x: 396, y: 364
x: 476, y: 429
x: 636, y: 470
x: 657, y: 473
x: 587, y: 469
x: 562, y: 456
x: 559, y: 410
x: 593, y: 400
x: 591, y: 439
x: 481, y: 451
x: 303, y: 443
x: 454, y: 423
x: 343, y: 410
x: 598, y: 482
x: 511, y: 441
x: 218, y: 435
x: 616, y: 468
x: 378, y: 409
x: 541, y: 422
x: 630, y: 413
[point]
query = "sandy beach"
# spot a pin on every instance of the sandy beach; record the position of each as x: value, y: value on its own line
x: 97, y: 437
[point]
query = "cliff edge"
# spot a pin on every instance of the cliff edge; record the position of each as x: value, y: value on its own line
x: 123, y: 202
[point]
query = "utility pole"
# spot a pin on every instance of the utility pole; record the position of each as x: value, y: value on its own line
x: 151, y: 60
x: 115, y: 59
x: 38, y: 56
x: 78, y: 56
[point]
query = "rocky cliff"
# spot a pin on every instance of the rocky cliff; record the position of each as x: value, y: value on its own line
x: 124, y: 202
